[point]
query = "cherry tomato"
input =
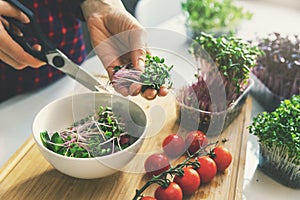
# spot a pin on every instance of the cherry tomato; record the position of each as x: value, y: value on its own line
x: 148, y: 198
x: 156, y: 164
x: 207, y: 170
x: 172, y: 192
x: 194, y: 140
x: 222, y: 158
x: 189, y: 182
x: 173, y: 145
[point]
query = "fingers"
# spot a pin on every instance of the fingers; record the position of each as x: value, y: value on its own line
x: 149, y: 94
x: 105, y: 46
x: 113, y: 36
x: 10, y: 61
x: 163, y: 91
x: 17, y: 63
x: 110, y: 71
x: 4, y: 22
x: 13, y: 54
x: 8, y: 10
x: 138, y: 59
x: 134, y: 89
x: 37, y: 47
x: 137, y: 40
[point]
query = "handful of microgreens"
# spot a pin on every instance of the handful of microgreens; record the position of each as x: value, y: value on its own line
x: 155, y: 75
x: 96, y: 135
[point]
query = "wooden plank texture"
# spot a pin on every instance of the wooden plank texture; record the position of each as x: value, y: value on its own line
x: 29, y: 176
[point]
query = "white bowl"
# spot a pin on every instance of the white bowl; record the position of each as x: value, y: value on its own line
x: 63, y: 112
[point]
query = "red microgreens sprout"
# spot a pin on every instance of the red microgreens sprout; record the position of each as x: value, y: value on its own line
x: 233, y: 58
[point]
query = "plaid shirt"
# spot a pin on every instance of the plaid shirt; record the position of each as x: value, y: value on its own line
x: 57, y: 19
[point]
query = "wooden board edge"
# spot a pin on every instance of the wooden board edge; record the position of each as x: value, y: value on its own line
x: 243, y: 149
x: 16, y: 158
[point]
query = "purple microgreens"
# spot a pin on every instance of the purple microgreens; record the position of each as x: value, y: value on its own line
x: 279, y: 68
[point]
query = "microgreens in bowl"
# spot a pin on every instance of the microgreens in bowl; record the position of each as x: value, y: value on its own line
x: 96, y: 135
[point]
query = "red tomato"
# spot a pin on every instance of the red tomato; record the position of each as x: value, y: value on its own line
x: 173, y: 145
x: 189, y: 182
x: 156, y: 164
x: 148, y: 198
x: 194, y: 140
x: 207, y: 170
x: 222, y: 158
x: 172, y: 192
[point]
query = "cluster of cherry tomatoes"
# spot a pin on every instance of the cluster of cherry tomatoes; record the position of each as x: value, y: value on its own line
x: 218, y: 159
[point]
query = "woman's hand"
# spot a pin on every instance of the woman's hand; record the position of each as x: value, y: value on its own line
x: 118, y: 39
x: 10, y: 51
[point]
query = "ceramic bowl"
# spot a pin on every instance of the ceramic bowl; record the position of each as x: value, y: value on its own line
x: 63, y: 112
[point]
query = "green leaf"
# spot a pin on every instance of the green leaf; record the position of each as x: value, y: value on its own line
x: 108, y: 134
x: 45, y: 138
x: 57, y: 140
x: 207, y: 15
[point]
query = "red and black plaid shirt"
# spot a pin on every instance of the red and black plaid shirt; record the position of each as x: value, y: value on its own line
x: 57, y: 19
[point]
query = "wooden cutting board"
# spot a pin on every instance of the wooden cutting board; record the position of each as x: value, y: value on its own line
x: 27, y: 175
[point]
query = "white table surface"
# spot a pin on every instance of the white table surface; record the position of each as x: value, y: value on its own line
x: 17, y: 114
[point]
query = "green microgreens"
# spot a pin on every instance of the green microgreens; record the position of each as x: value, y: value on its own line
x: 95, y: 135
x: 210, y: 15
x: 280, y: 127
x: 233, y: 58
x: 155, y: 75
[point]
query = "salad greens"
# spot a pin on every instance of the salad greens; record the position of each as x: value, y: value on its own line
x: 155, y: 75
x: 280, y: 128
x: 96, y: 135
x: 209, y: 15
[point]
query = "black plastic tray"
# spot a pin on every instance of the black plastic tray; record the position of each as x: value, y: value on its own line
x: 273, y: 170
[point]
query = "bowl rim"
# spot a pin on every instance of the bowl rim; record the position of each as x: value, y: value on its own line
x: 39, y: 143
